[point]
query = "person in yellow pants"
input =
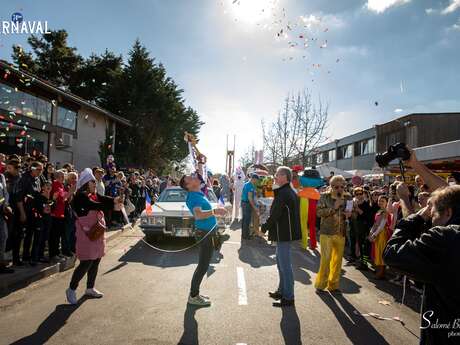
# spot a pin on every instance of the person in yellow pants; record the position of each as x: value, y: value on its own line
x: 333, y: 212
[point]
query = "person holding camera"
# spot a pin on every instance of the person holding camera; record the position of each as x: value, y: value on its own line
x: 333, y: 213
x: 425, y: 246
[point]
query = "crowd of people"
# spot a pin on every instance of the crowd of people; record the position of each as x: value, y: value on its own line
x: 38, y: 214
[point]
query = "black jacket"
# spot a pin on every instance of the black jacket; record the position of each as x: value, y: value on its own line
x: 432, y: 257
x: 284, y: 221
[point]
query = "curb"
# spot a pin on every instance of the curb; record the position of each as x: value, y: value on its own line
x: 25, y: 278
x: 22, y: 279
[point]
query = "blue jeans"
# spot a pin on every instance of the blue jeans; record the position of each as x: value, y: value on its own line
x: 246, y: 221
x: 284, y: 264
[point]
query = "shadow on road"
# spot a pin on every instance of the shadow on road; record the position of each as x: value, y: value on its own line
x: 190, y: 334
x: 256, y: 255
x: 290, y: 327
x: 357, y: 328
x: 146, y: 255
x: 51, y: 325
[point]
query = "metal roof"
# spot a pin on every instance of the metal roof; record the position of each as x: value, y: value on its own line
x: 65, y: 94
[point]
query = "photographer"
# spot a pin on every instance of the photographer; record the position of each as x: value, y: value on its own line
x: 425, y: 247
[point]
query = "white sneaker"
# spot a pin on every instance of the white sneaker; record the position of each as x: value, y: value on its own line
x: 199, y: 300
x: 94, y: 293
x: 71, y: 296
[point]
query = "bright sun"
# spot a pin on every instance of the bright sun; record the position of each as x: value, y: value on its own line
x: 252, y: 11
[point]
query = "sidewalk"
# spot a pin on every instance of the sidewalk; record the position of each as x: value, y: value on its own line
x: 24, y: 276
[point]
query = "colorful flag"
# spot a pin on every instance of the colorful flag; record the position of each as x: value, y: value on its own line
x: 221, y: 201
x: 148, y: 204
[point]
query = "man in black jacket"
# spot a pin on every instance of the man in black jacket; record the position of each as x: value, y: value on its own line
x: 283, y: 227
x: 430, y: 253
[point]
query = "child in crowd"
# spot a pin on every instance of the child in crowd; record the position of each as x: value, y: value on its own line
x: 379, y: 235
x: 45, y: 203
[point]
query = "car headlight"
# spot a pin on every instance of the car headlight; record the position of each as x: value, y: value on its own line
x: 158, y: 220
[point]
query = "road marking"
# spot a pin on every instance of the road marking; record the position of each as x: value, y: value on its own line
x: 242, y: 295
x: 232, y: 242
x: 241, y: 344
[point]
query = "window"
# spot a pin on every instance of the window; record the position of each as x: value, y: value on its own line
x: 66, y: 118
x: 24, y: 103
x: 319, y: 158
x: 365, y: 147
x: 15, y: 141
x: 331, y: 154
x: 345, y: 152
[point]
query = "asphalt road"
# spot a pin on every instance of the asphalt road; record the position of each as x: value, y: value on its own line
x: 146, y: 293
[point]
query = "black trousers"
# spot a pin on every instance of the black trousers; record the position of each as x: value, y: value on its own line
x: 89, y: 267
x: 206, y: 250
x: 31, y: 239
x: 56, y: 237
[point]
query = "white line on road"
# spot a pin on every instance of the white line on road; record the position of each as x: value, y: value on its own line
x: 242, y: 295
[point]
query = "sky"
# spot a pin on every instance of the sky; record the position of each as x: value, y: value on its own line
x: 236, y: 66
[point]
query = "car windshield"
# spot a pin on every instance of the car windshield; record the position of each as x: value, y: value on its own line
x: 179, y: 195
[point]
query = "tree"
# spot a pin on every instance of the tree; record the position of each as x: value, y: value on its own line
x: 248, y: 157
x: 297, y: 130
x: 52, y: 59
x: 154, y: 105
x: 140, y: 91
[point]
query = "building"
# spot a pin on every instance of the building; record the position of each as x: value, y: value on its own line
x: 354, y: 152
x: 435, y: 135
x: 35, y: 115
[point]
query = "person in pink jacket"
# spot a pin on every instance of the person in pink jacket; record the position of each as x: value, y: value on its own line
x: 89, y: 208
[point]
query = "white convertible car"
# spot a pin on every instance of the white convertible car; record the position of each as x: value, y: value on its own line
x: 170, y: 216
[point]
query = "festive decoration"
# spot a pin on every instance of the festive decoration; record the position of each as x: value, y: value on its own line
x: 309, y: 197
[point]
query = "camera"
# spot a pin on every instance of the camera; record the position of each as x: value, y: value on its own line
x: 395, y: 151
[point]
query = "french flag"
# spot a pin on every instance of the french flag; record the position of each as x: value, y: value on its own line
x: 148, y: 204
x: 221, y: 201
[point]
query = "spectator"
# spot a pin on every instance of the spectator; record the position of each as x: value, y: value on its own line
x: 331, y: 209
x: 15, y: 233
x: 58, y: 246
x: 423, y: 199
x: 2, y: 163
x: 360, y: 224
x: 248, y: 205
x: 454, y: 178
x: 379, y: 235
x: 49, y: 172
x: 100, y: 186
x: 5, y: 210
x: 89, y: 207
x: 28, y: 188
x: 216, y: 188
x: 45, y: 203
x: 283, y: 227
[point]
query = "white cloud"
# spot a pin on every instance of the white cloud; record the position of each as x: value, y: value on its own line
x: 455, y: 27
x: 379, y: 6
x: 430, y: 11
x: 454, y: 5
x: 398, y: 110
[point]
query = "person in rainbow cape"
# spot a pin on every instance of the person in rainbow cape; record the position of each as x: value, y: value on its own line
x: 309, y: 196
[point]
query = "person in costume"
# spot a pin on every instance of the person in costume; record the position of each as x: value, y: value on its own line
x: 309, y: 196
x: 295, y: 176
x: 379, y: 235
x: 333, y: 213
x: 238, y: 184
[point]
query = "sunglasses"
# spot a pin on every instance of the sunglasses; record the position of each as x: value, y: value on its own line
x: 358, y: 194
x: 338, y: 187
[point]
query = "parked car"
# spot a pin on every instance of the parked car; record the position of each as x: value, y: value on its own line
x: 170, y: 216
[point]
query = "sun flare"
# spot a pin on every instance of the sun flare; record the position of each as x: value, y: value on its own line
x: 252, y: 11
